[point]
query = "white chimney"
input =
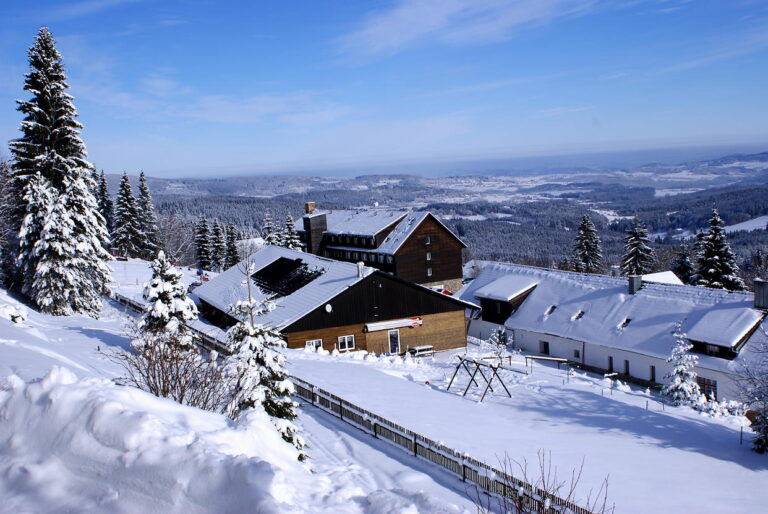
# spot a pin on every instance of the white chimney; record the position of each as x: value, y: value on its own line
x: 634, y: 283
x: 360, y: 270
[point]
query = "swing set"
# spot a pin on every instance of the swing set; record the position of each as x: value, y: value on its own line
x: 474, y: 367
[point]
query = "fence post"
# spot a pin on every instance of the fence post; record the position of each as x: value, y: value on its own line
x: 341, y: 410
x: 414, y: 444
x: 375, y: 433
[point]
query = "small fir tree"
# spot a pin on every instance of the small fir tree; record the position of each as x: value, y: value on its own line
x: 588, y: 254
x: 150, y: 242
x: 203, y: 244
x: 256, y: 368
x: 218, y: 246
x: 638, y: 255
x: 291, y: 237
x: 105, y: 203
x: 168, y: 307
x: 232, y: 256
x: 39, y: 200
x: 127, y: 235
x: 682, y: 388
x: 716, y: 263
x: 270, y: 233
x: 683, y: 267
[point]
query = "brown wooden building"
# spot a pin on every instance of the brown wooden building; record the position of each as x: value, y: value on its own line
x: 339, y: 305
x: 414, y: 246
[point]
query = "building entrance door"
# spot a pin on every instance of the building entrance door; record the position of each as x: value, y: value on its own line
x: 394, y: 342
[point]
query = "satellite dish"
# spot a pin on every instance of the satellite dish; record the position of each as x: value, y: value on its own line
x: 328, y: 308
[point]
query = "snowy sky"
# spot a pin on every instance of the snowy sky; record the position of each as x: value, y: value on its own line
x: 205, y: 87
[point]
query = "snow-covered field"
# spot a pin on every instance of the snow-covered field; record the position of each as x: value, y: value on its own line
x: 759, y: 223
x: 73, y: 441
x: 671, y: 460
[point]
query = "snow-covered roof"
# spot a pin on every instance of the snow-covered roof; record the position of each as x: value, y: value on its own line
x: 663, y: 277
x: 402, y: 232
x: 230, y: 286
x: 643, y: 322
x: 361, y: 222
x: 506, y: 287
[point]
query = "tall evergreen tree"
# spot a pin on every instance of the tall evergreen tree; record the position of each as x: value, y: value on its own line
x: 168, y: 307
x: 203, y: 244
x: 232, y: 256
x: 257, y: 369
x: 218, y: 246
x: 127, y: 236
x: 588, y: 254
x: 105, y: 203
x: 147, y: 220
x: 290, y: 236
x: 638, y: 255
x: 716, y: 263
x: 683, y: 267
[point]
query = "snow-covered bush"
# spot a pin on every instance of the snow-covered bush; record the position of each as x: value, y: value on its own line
x: 15, y: 313
x: 753, y: 391
x: 682, y: 388
x: 498, y: 342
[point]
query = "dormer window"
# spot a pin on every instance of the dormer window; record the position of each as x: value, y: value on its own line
x: 551, y: 309
x: 578, y: 315
x: 625, y: 322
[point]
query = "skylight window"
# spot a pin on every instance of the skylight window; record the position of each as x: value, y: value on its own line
x: 284, y: 276
x: 578, y: 315
x: 551, y: 309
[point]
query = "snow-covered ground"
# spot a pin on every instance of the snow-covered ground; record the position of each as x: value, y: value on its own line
x: 759, y: 223
x: 671, y: 460
x: 76, y: 442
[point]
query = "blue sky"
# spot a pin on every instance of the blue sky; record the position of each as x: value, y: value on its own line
x: 201, y: 87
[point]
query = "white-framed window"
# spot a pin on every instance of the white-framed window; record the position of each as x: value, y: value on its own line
x: 346, y: 343
x: 427, y: 240
x: 314, y: 344
x: 429, y: 256
x: 429, y: 272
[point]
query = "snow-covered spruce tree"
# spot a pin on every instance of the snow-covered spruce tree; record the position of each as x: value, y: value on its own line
x: 290, y: 236
x: 127, y: 235
x: 682, y: 388
x: 203, y: 244
x: 168, y: 307
x: 232, y: 256
x: 147, y: 220
x: 218, y: 246
x: 256, y: 368
x: 50, y: 143
x: 716, y: 263
x: 39, y: 200
x: 105, y: 203
x: 683, y: 267
x: 270, y: 233
x: 588, y: 254
x: 638, y: 255
x: 753, y: 392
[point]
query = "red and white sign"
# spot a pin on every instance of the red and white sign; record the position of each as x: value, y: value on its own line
x: 395, y: 323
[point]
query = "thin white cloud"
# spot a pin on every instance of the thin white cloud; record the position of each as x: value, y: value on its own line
x: 86, y: 7
x: 459, y: 22
x: 753, y: 43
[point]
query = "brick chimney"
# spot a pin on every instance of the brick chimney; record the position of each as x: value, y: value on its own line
x: 761, y: 293
x: 634, y: 283
x: 309, y: 207
x: 315, y: 225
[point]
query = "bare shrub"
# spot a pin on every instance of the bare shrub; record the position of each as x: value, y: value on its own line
x: 545, y: 492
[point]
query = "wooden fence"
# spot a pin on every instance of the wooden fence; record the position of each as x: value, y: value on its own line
x: 471, y: 471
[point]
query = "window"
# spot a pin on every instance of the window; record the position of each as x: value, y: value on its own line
x: 346, y: 343
x: 551, y: 309
x: 428, y: 240
x: 625, y: 322
x: 544, y: 347
x: 429, y: 256
x: 429, y: 272
x: 389, y: 259
x: 347, y: 255
x: 283, y: 276
x: 708, y: 387
x: 712, y: 349
x: 652, y: 374
x: 355, y: 256
x: 394, y: 342
x: 314, y: 344
x: 610, y: 364
x: 626, y: 367
x: 576, y: 354
x: 381, y: 258
x: 578, y: 315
